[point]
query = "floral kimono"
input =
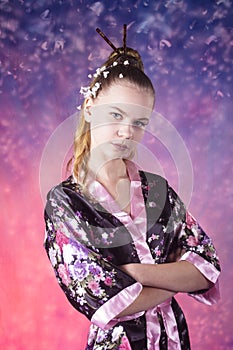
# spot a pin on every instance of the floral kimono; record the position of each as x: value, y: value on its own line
x: 88, y: 237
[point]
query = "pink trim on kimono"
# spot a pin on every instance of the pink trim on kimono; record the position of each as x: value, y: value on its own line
x: 137, y: 227
x: 212, y: 295
x: 105, y: 316
x: 125, y: 345
x: 154, y: 330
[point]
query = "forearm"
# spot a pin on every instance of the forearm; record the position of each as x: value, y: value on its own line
x: 147, y: 299
x: 179, y: 276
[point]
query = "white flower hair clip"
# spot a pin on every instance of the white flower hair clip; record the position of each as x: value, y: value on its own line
x: 95, y: 89
x: 86, y: 91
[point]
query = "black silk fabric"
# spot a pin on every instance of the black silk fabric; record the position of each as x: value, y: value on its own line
x: 98, y: 243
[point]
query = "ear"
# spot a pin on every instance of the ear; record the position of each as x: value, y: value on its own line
x: 87, y: 105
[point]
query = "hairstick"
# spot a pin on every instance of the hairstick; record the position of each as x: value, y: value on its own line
x: 106, y: 39
x: 124, y: 38
x: 110, y: 43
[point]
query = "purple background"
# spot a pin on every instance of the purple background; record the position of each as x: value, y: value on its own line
x: 47, y: 50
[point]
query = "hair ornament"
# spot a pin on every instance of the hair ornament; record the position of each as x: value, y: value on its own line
x: 110, y: 43
x: 124, y: 38
x: 86, y: 91
x: 94, y: 89
x: 106, y: 39
x: 105, y: 74
x: 122, y: 56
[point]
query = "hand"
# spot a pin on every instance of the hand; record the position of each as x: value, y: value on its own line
x: 176, y: 255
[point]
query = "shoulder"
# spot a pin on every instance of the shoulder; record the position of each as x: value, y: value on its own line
x: 63, y: 191
x: 66, y: 185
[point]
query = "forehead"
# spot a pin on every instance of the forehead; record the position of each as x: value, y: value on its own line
x: 125, y: 93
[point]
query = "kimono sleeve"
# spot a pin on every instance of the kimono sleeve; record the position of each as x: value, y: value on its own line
x: 95, y: 287
x: 197, y: 248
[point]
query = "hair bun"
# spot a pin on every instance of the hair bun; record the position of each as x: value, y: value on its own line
x: 122, y: 55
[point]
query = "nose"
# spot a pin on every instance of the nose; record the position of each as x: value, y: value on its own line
x: 125, y: 131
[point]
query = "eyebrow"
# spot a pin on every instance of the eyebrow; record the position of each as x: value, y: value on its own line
x: 122, y: 112
x: 118, y: 109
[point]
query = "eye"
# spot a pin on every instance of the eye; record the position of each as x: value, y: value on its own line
x: 140, y: 123
x: 116, y: 115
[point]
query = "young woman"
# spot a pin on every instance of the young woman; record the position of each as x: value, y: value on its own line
x: 120, y: 239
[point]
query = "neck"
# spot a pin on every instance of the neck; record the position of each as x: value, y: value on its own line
x: 113, y: 176
x: 111, y: 171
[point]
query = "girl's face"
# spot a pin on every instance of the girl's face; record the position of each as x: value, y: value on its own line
x: 118, y: 118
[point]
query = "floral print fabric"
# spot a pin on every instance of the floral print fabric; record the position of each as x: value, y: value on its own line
x: 86, y: 244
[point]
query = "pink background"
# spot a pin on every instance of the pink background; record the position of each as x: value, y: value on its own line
x: 47, y: 49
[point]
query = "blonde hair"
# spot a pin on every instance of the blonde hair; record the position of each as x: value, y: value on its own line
x: 129, y: 65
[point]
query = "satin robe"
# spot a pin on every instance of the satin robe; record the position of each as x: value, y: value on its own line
x: 88, y: 237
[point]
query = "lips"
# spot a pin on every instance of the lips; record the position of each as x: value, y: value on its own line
x: 120, y: 146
